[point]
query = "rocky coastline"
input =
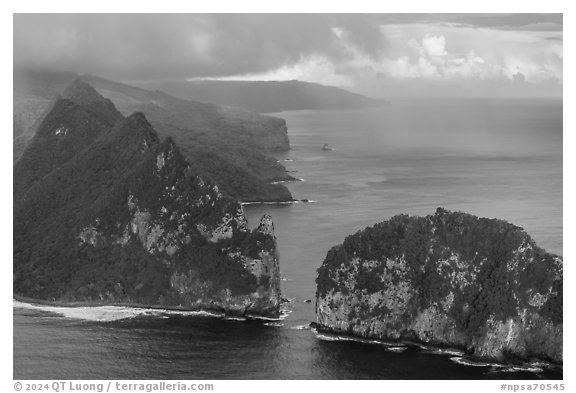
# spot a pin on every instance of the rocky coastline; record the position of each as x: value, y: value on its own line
x: 446, y: 280
x: 129, y: 221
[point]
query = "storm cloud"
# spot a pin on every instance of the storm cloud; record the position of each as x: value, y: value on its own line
x: 183, y: 45
x: 353, y: 50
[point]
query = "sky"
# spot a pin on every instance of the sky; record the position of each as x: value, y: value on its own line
x: 380, y: 55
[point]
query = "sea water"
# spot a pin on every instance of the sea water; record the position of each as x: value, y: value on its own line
x: 492, y: 158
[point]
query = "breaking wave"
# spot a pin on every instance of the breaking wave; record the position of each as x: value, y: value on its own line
x: 395, y: 347
x: 443, y: 351
x: 109, y: 313
x: 300, y: 327
x: 507, y: 368
x: 118, y: 313
x: 269, y: 203
x: 274, y: 324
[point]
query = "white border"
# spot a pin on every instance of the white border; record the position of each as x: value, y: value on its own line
x: 361, y: 6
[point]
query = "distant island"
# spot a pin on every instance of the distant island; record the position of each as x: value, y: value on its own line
x: 107, y: 212
x: 267, y: 96
x: 449, y: 279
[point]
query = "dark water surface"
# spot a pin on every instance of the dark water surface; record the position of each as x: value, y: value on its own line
x: 499, y: 159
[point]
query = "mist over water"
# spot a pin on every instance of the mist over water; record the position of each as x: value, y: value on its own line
x: 492, y: 158
x: 496, y: 159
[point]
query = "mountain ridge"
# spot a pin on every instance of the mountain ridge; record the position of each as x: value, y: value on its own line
x: 267, y: 96
x: 232, y: 147
x: 67, y: 128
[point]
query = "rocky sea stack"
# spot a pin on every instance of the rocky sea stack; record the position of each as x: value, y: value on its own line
x: 448, y: 279
x: 107, y: 213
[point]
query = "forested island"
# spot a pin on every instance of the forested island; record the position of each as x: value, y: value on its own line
x: 449, y: 279
x: 108, y: 212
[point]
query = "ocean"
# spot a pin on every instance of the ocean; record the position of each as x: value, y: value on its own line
x: 492, y: 158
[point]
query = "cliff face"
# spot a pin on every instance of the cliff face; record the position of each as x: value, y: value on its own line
x: 124, y: 218
x: 448, y: 279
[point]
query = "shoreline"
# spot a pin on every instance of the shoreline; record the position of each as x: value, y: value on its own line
x: 216, y: 311
x: 292, y: 180
x: 465, y: 356
x: 291, y: 202
x: 458, y: 355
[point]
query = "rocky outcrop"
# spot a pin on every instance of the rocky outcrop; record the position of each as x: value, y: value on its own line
x: 448, y: 279
x: 123, y: 218
x: 260, y: 260
x: 277, y: 138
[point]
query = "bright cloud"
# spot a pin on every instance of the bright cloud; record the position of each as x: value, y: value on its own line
x: 434, y: 45
x: 440, y: 55
x: 454, y: 51
x: 317, y: 69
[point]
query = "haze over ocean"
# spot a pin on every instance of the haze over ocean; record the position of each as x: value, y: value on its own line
x: 491, y: 158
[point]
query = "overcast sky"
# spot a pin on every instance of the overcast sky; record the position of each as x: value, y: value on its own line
x: 382, y: 55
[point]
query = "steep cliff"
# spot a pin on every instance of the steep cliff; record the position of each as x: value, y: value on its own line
x: 448, y: 279
x: 121, y: 217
